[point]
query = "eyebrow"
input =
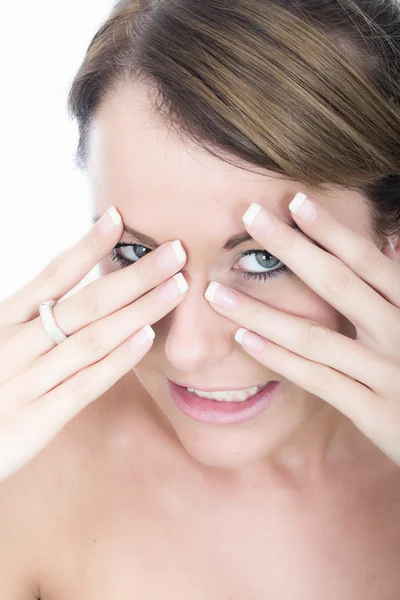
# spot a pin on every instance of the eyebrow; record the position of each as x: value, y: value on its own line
x: 231, y: 243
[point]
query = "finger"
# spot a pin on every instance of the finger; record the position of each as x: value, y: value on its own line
x: 64, y: 272
x: 306, y: 338
x: 360, y: 254
x: 327, y: 273
x: 30, y: 428
x: 351, y: 398
x: 98, y: 299
x: 91, y: 344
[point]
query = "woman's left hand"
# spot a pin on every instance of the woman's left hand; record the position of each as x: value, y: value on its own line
x: 361, y: 377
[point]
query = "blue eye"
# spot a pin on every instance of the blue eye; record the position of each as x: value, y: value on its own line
x: 257, y: 262
x: 255, y: 265
x: 137, y: 253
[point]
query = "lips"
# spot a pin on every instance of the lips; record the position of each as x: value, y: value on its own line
x: 220, y: 412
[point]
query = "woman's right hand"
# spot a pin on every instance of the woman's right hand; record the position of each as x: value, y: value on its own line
x: 44, y: 385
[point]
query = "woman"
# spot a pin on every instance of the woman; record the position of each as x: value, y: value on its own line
x: 251, y: 449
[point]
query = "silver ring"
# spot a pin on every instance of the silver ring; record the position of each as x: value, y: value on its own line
x: 49, y: 322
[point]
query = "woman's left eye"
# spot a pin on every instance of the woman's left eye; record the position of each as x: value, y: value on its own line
x: 256, y: 264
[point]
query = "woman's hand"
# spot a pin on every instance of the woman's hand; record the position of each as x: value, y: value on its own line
x: 359, y: 377
x: 44, y: 385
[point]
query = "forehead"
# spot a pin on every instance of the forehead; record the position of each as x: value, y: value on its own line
x: 128, y: 140
x: 158, y: 181
x: 134, y: 158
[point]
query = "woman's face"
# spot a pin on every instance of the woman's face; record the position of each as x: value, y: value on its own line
x: 168, y: 191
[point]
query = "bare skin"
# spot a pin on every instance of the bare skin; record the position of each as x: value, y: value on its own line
x: 114, y: 507
x: 134, y: 499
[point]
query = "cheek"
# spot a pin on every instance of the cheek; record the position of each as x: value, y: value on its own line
x: 149, y: 371
x: 299, y: 300
x: 314, y: 308
x: 152, y: 362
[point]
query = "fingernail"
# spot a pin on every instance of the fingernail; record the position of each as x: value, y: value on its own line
x: 220, y: 295
x: 171, y: 256
x: 301, y: 205
x: 141, y: 338
x: 110, y: 221
x: 258, y: 218
x: 174, y: 288
x: 250, y: 340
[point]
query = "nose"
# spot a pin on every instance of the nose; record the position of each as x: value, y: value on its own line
x: 197, y: 336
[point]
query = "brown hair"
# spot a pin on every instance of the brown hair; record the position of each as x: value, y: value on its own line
x: 308, y: 89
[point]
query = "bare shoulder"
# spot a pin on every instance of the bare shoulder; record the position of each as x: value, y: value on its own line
x: 34, y: 501
x: 17, y: 568
x: 27, y: 517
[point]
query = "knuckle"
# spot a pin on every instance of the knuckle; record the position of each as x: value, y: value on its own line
x: 314, y: 339
x: 88, y: 339
x: 338, y: 278
x: 86, y: 302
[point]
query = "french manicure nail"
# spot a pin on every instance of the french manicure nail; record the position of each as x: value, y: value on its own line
x: 258, y: 218
x: 110, y: 221
x: 171, y: 256
x: 306, y: 209
x: 250, y: 340
x: 174, y: 288
x: 220, y: 295
x: 142, y: 337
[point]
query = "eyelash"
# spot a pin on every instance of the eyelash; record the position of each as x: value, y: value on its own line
x: 123, y: 263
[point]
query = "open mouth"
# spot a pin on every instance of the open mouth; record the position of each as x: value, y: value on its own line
x: 223, y: 407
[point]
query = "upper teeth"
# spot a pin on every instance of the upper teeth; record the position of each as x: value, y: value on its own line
x: 233, y: 396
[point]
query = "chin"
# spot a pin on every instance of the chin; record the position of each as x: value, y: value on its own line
x: 235, y: 447
x: 238, y: 445
x: 235, y: 452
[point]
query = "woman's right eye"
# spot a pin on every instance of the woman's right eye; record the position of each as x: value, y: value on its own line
x: 136, y: 252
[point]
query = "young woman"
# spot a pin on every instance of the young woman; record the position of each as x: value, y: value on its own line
x: 218, y: 415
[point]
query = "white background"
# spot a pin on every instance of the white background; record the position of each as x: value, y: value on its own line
x: 45, y: 206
